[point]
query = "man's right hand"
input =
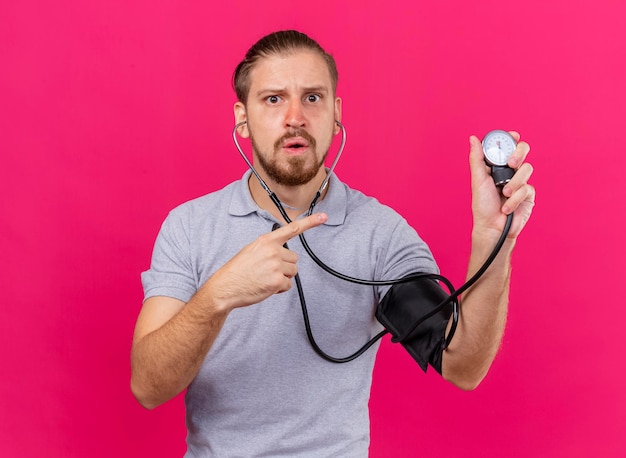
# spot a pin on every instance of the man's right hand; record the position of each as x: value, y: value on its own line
x: 262, y: 268
x: 172, y: 338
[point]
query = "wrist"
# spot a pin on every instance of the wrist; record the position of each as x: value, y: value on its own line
x: 214, y: 302
x: 484, y: 241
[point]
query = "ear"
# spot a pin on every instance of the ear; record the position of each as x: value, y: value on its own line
x: 337, y: 114
x: 240, y: 116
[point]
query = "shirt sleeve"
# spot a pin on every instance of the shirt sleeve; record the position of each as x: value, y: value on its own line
x: 406, y: 253
x: 171, y: 270
x: 406, y: 304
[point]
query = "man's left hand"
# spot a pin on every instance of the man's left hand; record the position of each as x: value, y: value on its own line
x: 490, y: 207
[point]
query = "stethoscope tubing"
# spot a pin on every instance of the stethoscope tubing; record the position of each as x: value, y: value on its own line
x: 451, y: 299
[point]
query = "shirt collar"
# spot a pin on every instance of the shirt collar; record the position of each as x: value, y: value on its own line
x: 334, y: 202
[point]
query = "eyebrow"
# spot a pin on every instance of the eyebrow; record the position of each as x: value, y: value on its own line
x: 276, y: 90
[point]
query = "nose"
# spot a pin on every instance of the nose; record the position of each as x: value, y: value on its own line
x: 294, y: 117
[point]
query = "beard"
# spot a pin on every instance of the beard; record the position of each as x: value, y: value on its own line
x: 298, y: 170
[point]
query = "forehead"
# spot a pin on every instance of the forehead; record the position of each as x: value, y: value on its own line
x: 295, y: 70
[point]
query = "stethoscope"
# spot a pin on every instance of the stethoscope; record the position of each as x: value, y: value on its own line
x: 452, y: 299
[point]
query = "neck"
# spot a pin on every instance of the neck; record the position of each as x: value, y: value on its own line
x: 295, y: 199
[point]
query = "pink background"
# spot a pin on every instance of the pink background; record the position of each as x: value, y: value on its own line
x: 113, y: 112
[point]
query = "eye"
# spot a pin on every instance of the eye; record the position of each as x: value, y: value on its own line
x: 313, y: 98
x: 272, y: 99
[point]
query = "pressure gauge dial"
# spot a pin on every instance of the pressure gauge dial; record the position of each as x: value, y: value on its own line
x: 498, y: 146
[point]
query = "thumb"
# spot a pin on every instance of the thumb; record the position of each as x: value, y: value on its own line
x: 478, y: 167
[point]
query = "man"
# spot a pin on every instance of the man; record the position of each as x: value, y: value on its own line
x: 220, y: 316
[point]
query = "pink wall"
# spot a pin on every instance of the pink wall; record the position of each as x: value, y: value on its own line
x: 113, y: 112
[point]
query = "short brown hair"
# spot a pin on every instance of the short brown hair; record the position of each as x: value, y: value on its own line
x: 284, y: 41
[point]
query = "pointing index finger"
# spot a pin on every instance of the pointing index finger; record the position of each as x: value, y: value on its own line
x: 297, y: 227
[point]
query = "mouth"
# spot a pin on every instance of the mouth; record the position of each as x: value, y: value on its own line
x: 295, y: 145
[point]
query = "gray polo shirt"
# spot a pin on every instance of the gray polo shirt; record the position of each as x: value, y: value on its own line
x: 262, y: 391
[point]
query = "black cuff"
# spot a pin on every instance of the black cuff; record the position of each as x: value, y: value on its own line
x: 407, y: 303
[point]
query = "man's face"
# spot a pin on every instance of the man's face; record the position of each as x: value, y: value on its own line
x: 290, y: 113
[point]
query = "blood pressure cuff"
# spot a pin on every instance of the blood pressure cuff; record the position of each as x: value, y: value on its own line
x: 404, y: 305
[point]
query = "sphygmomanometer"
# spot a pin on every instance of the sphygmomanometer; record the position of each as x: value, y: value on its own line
x: 416, y: 310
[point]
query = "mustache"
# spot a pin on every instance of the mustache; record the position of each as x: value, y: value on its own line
x: 295, y: 133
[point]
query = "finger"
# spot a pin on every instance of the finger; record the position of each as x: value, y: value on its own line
x: 521, y: 177
x: 286, y: 255
x: 523, y: 194
x: 286, y: 233
x: 519, y: 155
x: 290, y: 270
x: 286, y: 285
x: 515, y: 135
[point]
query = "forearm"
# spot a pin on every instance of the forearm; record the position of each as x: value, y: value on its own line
x: 165, y: 361
x: 482, y: 317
